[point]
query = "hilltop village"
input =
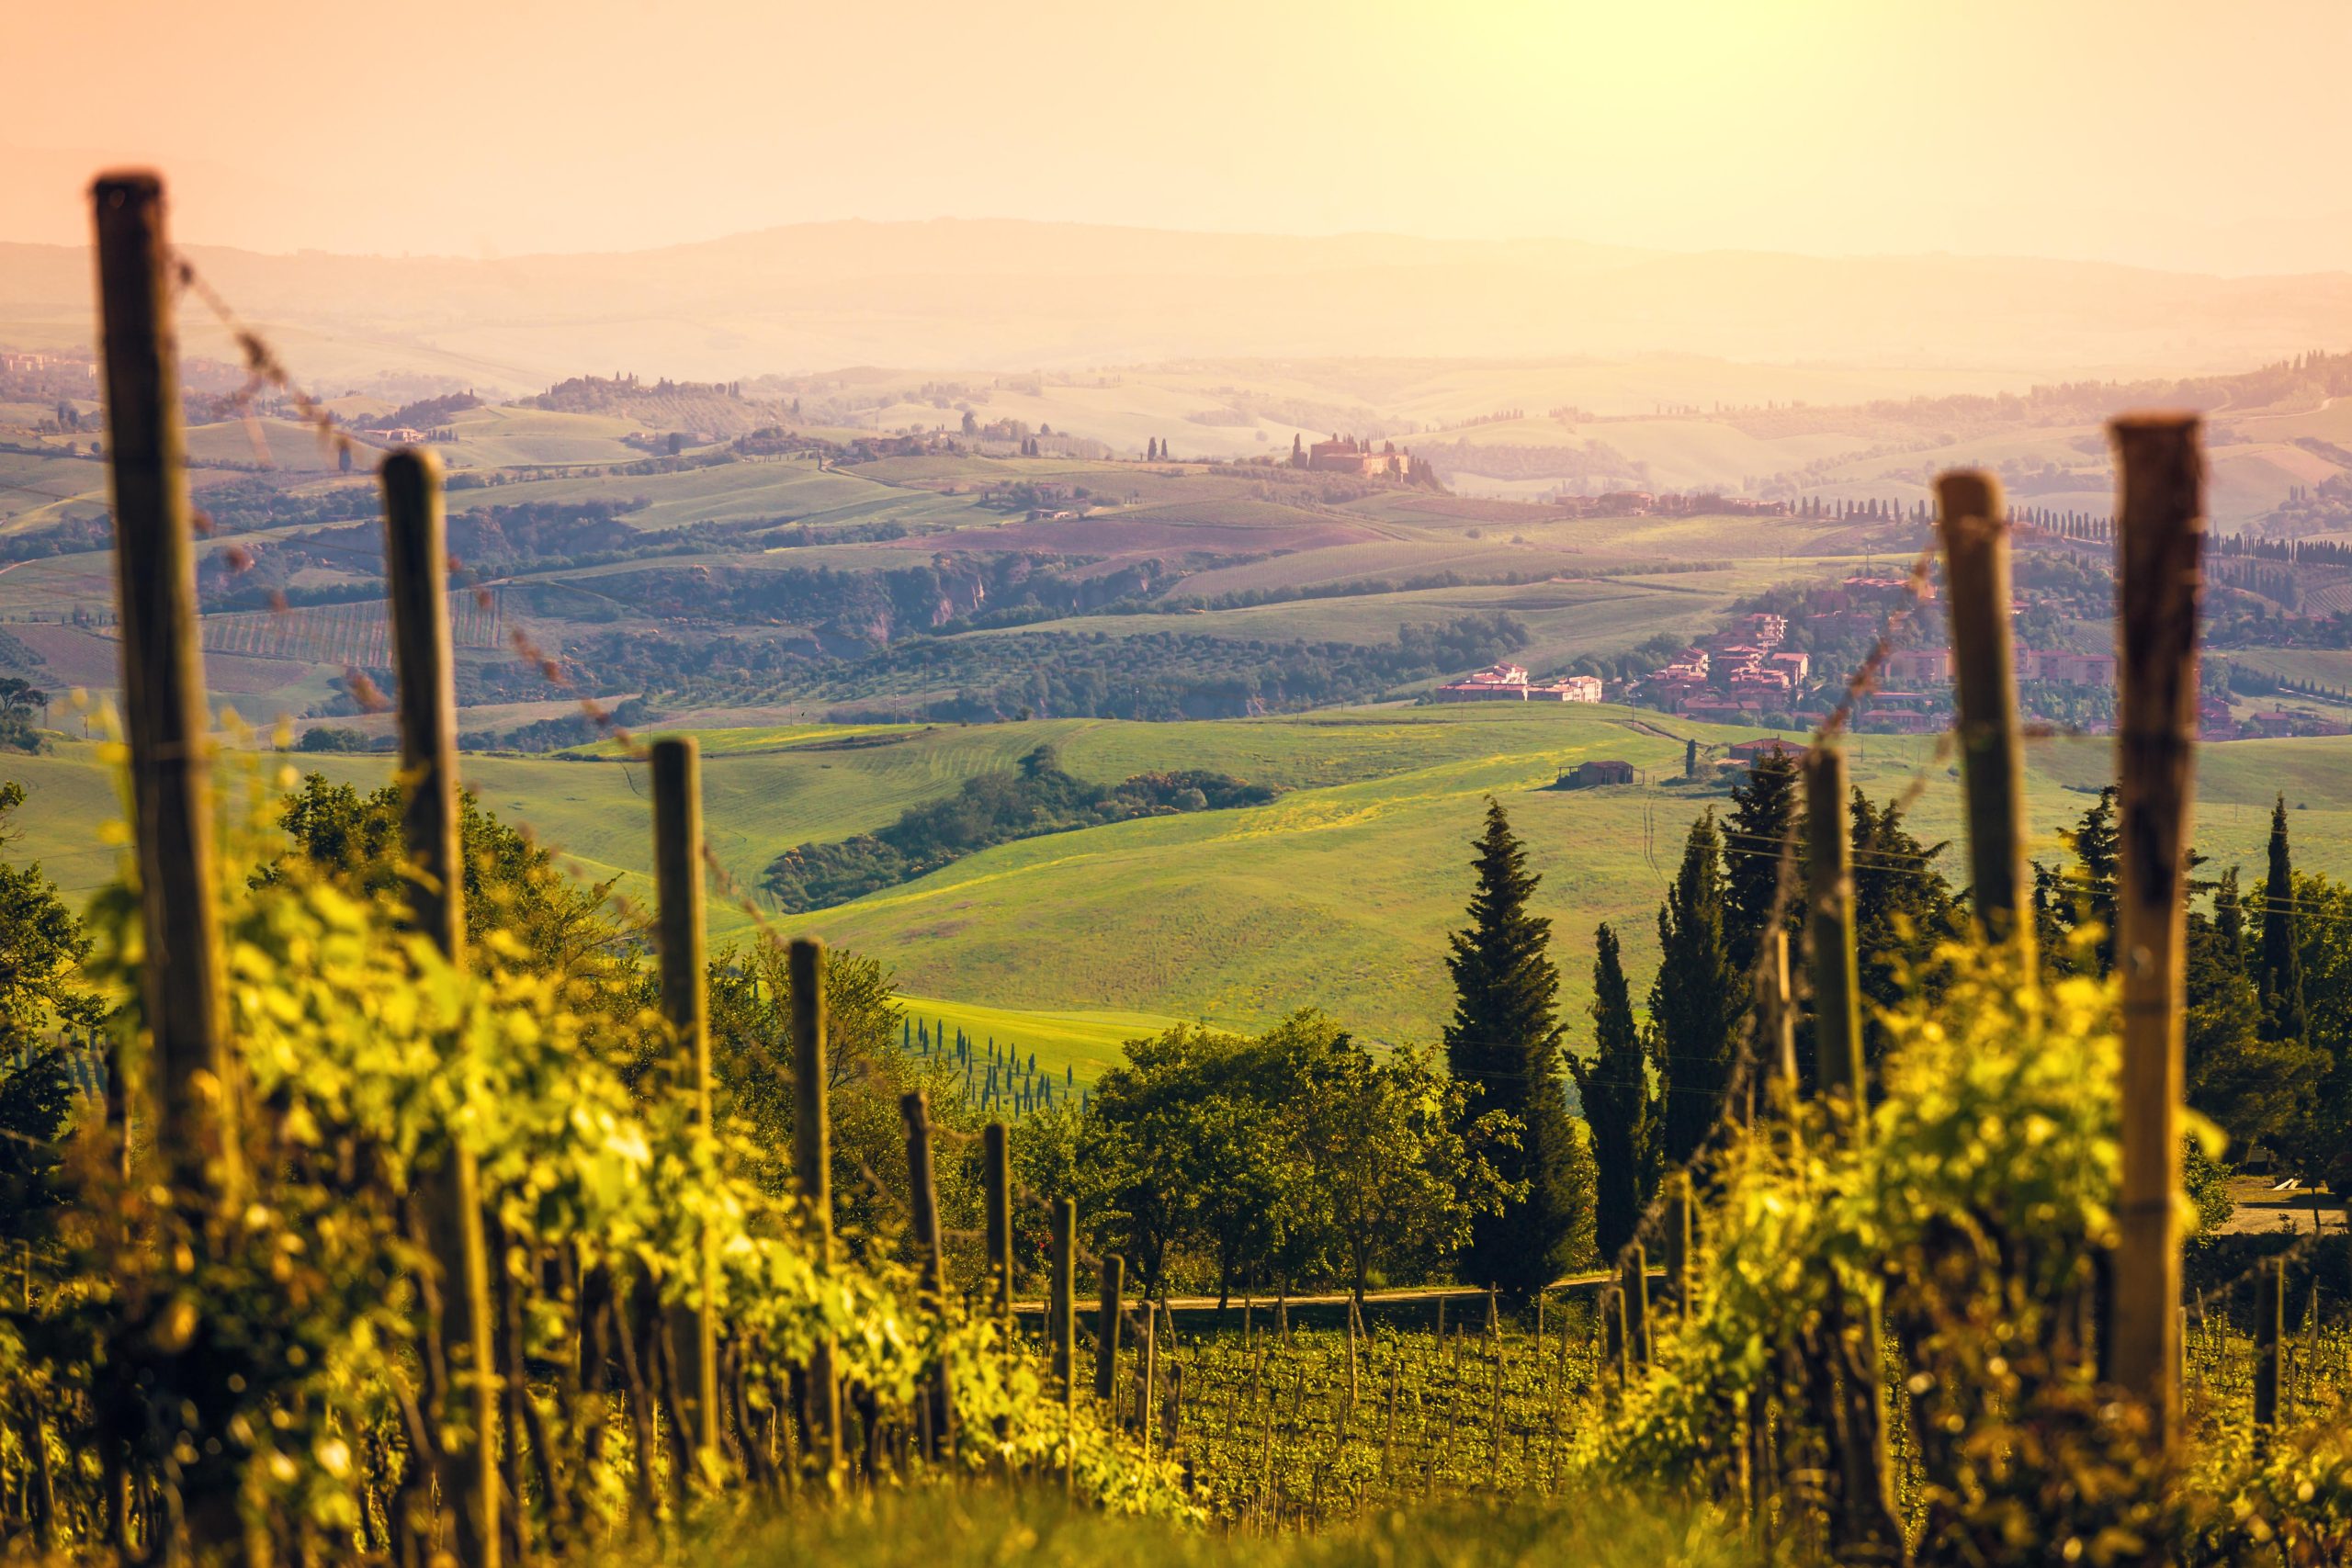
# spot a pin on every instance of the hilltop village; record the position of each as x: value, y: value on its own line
x: 1790, y: 657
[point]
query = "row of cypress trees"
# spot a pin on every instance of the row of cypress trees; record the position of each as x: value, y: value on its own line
x: 1651, y: 1090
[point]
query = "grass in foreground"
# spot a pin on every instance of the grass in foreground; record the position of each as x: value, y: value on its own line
x: 952, y: 1526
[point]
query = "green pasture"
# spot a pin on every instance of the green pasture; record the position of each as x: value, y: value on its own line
x: 1082, y: 1044
x: 2323, y: 666
x: 1336, y: 894
x: 40, y: 491
x: 783, y: 489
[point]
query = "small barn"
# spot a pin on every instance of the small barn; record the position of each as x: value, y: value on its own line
x: 1587, y: 775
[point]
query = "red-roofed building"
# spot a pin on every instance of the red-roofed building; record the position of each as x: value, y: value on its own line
x: 1748, y: 751
x: 1912, y: 665
x: 1508, y: 682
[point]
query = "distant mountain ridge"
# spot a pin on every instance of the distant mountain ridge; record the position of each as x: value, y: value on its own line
x: 1008, y: 295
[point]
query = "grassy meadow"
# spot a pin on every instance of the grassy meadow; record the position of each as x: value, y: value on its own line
x: 1338, y: 894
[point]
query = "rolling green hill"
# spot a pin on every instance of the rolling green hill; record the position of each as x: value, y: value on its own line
x: 1338, y: 894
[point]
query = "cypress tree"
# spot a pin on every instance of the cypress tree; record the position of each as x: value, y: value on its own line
x: 2229, y: 918
x: 1614, y: 1085
x: 2279, y: 978
x: 2079, y: 895
x: 1905, y: 910
x: 1696, y: 999
x: 1503, y: 1047
x: 1763, y: 810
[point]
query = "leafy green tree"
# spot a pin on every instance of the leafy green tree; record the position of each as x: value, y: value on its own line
x: 19, y: 701
x: 993, y: 809
x: 41, y: 993
x: 2279, y: 975
x: 1293, y: 1155
x: 1503, y: 1047
x: 1160, y: 1132
x: 517, y: 899
x: 1618, y: 1108
x: 1048, y: 1157
x: 2207, y: 1182
x: 1696, y: 1000
x: 1248, y: 1206
x: 1404, y: 1187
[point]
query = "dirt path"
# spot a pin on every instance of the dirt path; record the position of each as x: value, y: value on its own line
x: 2261, y: 1211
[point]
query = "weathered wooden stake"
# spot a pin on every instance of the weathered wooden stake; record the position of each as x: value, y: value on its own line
x: 930, y: 1249
x: 1061, y: 1310
x: 416, y: 570
x: 678, y: 886
x: 1866, y: 1523
x: 1063, y: 1316
x: 416, y: 558
x: 169, y: 726
x: 1678, y: 1242
x: 1829, y: 932
x: 1976, y: 572
x: 996, y: 1174
x: 2161, y: 528
x: 1636, y: 1287
x: 2269, y: 1328
x: 1779, y: 1032
x: 812, y: 1151
x: 1150, y: 1368
x: 1106, y: 1325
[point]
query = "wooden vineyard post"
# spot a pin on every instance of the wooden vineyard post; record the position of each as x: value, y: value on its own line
x: 416, y: 570
x: 1354, y: 1325
x: 1151, y: 1369
x: 1777, y: 1032
x: 1061, y: 1331
x: 930, y: 1249
x: 812, y: 1153
x: 1678, y: 1243
x: 1976, y: 574
x: 1830, y: 934
x: 1616, y: 1346
x: 2269, y: 1328
x: 1389, y: 1435
x: 416, y: 567
x: 996, y: 1168
x: 1106, y: 1327
x: 1867, y: 1524
x: 1636, y: 1286
x: 1062, y: 1318
x: 169, y: 727
x: 2161, y: 528
x: 678, y: 886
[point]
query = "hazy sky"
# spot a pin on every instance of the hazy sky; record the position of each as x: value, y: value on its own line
x: 2161, y: 131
